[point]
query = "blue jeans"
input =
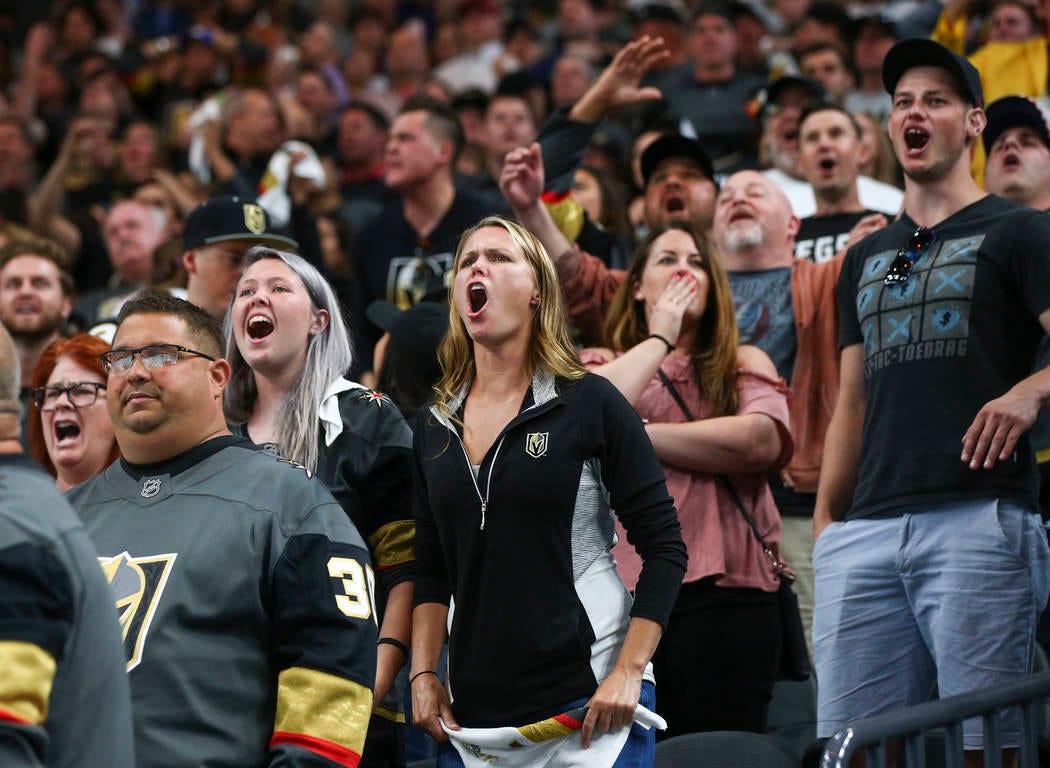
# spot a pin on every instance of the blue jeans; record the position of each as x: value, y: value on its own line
x: 946, y: 599
x: 638, y: 752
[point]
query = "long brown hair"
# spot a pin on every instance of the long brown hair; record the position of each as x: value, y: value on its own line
x: 550, y: 348
x: 713, y: 352
x: 84, y: 350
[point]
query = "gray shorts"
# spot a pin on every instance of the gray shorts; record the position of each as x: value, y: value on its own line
x: 946, y: 599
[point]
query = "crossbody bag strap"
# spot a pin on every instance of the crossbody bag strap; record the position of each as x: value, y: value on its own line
x: 779, y: 568
x: 669, y: 385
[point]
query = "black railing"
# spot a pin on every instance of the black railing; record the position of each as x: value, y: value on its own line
x: 911, y: 725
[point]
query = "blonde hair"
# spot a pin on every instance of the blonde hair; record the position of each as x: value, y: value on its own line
x: 549, y: 349
x: 714, y: 349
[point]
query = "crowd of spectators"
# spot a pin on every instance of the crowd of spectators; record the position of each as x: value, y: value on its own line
x: 147, y: 145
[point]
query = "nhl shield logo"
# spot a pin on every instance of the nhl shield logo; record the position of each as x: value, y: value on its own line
x: 536, y: 444
x: 150, y: 488
x: 254, y: 219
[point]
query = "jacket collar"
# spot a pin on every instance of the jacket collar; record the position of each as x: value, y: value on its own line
x: 543, y: 389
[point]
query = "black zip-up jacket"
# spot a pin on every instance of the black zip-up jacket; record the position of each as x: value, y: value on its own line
x: 538, y: 612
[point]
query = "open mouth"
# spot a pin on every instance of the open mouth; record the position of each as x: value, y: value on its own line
x: 478, y: 297
x: 916, y: 138
x: 259, y: 327
x: 791, y: 137
x: 66, y: 432
x: 827, y: 164
x: 674, y: 205
x: 1011, y: 160
x: 25, y: 309
x: 739, y: 215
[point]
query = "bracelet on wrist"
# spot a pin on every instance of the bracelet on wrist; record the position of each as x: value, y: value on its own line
x: 669, y: 345
x: 424, y: 672
x: 394, y: 642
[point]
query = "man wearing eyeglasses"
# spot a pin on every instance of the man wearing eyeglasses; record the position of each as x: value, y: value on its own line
x: 244, y: 592
x: 931, y: 563
x: 65, y: 699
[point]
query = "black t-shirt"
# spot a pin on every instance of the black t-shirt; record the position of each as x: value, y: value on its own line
x: 819, y: 238
x: 392, y: 262
x: 959, y: 333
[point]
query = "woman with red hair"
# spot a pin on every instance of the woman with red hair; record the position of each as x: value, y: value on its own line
x: 70, y: 432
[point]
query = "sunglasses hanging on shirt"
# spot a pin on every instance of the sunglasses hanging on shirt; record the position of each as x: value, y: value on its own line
x: 918, y: 243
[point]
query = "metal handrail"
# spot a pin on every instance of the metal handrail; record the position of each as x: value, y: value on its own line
x: 910, y: 725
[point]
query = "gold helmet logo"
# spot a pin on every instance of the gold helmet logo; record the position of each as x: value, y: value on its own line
x: 254, y: 219
x: 136, y: 584
x: 536, y: 444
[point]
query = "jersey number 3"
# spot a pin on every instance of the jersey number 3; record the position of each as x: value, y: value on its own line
x: 359, y: 587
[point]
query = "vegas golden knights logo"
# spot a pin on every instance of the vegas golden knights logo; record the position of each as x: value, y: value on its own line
x: 254, y: 219
x: 536, y: 444
x: 136, y: 584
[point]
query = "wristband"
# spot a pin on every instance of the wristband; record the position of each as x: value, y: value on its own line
x: 670, y: 346
x: 394, y: 642
x: 424, y: 672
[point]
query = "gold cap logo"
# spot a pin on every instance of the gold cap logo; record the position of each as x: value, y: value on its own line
x: 254, y: 219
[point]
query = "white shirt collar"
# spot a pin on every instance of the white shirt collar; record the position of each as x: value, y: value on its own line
x: 328, y: 411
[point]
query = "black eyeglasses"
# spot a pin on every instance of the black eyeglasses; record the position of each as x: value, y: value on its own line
x: 919, y: 241
x: 153, y: 356
x: 81, y: 394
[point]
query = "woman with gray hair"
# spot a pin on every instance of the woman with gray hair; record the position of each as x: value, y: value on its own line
x: 288, y: 348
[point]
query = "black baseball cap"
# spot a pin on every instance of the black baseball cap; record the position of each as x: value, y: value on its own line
x: 922, y: 52
x: 1012, y: 112
x: 881, y: 21
x: 230, y: 218
x: 777, y: 88
x: 416, y: 331
x: 658, y: 11
x: 672, y: 145
x: 385, y: 313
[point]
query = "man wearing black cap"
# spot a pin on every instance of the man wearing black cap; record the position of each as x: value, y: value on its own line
x: 940, y: 570
x: 1017, y: 144
x: 677, y: 171
x: 217, y: 234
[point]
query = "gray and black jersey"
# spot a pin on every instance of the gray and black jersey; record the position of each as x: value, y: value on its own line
x: 64, y: 698
x: 245, y: 595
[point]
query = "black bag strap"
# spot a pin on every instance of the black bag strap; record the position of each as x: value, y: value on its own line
x: 674, y: 393
x: 779, y: 567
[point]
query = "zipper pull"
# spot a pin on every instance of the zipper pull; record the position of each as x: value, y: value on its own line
x: 484, y: 506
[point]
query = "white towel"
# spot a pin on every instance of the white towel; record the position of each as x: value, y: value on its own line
x: 550, y: 743
x: 209, y: 111
x: 273, y: 188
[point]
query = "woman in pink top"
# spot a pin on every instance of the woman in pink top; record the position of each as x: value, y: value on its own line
x: 672, y: 329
